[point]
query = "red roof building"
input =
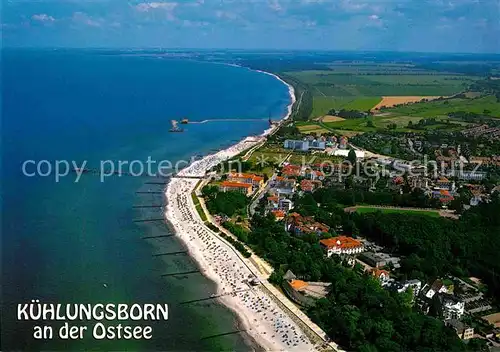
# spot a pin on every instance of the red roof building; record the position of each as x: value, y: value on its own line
x: 229, y: 186
x: 254, y: 180
x: 301, y: 225
x: 342, y: 245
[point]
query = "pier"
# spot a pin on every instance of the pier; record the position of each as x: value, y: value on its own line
x: 147, y: 206
x: 182, y: 273
x: 225, y: 120
x: 223, y: 334
x: 149, y: 220
x: 145, y: 174
x: 169, y: 253
x: 160, y: 236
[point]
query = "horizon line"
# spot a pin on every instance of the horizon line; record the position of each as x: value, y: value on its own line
x: 277, y: 50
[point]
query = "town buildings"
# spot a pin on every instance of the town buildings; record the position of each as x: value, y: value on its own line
x: 304, y: 293
x: 305, y: 145
x: 437, y: 286
x: 254, y: 180
x: 230, y: 186
x: 463, y: 331
x: 341, y: 245
x: 300, y: 225
x: 403, y: 286
x: 452, y: 306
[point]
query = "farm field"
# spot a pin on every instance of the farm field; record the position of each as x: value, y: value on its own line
x: 383, y: 122
x: 330, y: 118
x: 487, y: 105
x: 311, y: 128
x: 389, y: 102
x: 337, y: 83
x: 322, y: 105
x: 362, y: 86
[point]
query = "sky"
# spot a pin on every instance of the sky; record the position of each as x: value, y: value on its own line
x: 395, y: 25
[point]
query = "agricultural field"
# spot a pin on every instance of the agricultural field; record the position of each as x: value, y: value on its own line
x: 330, y: 118
x: 487, y: 105
x: 354, y: 84
x: 322, y: 105
x: 307, y: 128
x: 374, y: 123
x: 389, y: 102
x: 362, y: 86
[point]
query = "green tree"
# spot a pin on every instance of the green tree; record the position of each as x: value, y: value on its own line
x: 351, y: 157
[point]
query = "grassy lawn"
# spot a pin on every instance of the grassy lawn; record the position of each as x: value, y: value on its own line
x: 198, y: 207
x: 432, y: 213
x: 362, y: 104
x: 487, y: 105
x: 311, y: 128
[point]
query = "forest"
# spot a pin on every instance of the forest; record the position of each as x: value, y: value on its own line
x: 358, y: 313
x: 226, y: 203
x: 437, y: 246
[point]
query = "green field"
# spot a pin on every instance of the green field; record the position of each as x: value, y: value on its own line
x: 354, y: 83
x: 432, y: 213
x: 321, y: 104
x: 311, y: 127
x: 198, y: 207
x: 383, y: 122
x: 361, y: 86
x: 487, y: 105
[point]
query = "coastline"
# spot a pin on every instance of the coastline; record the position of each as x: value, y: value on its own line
x: 261, y: 324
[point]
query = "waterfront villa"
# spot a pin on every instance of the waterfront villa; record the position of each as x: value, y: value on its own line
x: 229, y: 186
x: 341, y: 245
x: 254, y: 180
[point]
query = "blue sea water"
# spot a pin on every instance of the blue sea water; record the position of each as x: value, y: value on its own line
x: 76, y: 242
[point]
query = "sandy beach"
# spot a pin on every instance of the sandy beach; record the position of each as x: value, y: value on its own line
x: 261, y: 316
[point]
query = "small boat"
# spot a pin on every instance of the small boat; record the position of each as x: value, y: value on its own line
x: 184, y: 121
x: 105, y: 285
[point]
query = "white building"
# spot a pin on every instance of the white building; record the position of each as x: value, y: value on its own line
x: 342, y: 245
x: 436, y: 287
x: 317, y: 144
x: 453, y: 308
x: 401, y: 287
x: 285, y: 204
x: 297, y: 145
x: 345, y: 152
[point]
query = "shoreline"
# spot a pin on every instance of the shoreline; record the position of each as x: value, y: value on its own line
x: 261, y: 318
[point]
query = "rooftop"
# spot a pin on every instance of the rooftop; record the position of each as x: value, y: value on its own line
x: 298, y: 284
x: 342, y: 242
x: 235, y: 184
x: 246, y: 176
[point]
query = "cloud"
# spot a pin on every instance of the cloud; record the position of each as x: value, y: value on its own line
x: 83, y: 18
x: 147, y: 6
x: 375, y: 21
x: 43, y: 17
x: 275, y: 5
